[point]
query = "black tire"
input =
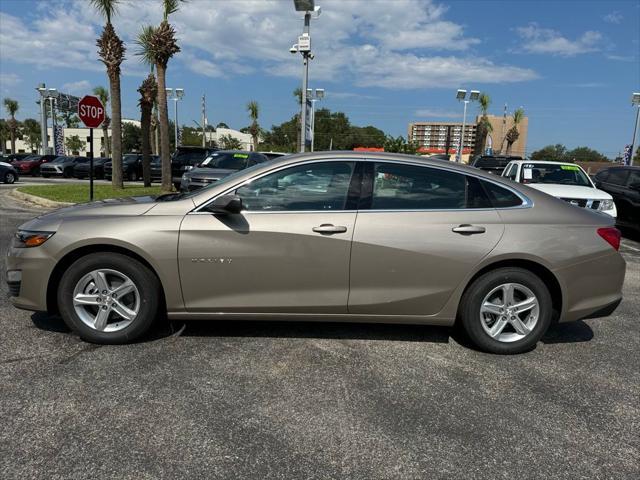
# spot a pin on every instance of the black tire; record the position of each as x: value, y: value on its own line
x: 469, y: 312
x: 46, y: 175
x: 132, y: 176
x: 67, y: 173
x: 146, y: 282
x: 9, y: 177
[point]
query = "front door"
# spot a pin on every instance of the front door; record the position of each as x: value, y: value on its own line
x: 288, y: 251
x: 421, y: 233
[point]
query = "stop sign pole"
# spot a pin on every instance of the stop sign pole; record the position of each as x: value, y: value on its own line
x: 91, y: 112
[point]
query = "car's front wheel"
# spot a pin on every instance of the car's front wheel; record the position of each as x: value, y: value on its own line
x: 506, y: 311
x: 9, y: 177
x: 108, y: 298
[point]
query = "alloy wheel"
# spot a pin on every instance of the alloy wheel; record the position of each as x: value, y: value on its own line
x: 509, y: 312
x: 106, y: 300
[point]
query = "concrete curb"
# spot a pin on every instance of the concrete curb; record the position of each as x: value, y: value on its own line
x: 34, y: 199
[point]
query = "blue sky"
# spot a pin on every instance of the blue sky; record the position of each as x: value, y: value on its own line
x: 572, y: 65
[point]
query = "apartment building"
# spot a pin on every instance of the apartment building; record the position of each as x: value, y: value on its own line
x: 441, y: 137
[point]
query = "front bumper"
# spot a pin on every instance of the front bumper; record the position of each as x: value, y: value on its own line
x: 52, y: 172
x: 35, y: 266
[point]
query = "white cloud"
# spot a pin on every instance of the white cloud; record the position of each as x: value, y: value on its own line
x: 390, y: 44
x: 613, y: 17
x: 76, y: 88
x: 8, y: 80
x: 434, y: 113
x: 548, y: 41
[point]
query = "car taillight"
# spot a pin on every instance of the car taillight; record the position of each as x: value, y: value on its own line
x: 611, y: 235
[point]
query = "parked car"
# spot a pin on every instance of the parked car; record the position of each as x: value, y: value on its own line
x: 8, y: 173
x: 184, y: 159
x: 131, y: 167
x: 31, y: 164
x: 566, y: 181
x: 218, y: 165
x: 623, y: 184
x: 274, y: 155
x: 440, y: 156
x: 81, y: 170
x: 61, y: 166
x: 337, y: 236
x: 15, y: 157
x: 493, y: 163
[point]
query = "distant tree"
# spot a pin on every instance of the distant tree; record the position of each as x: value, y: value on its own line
x: 219, y: 125
x: 585, y: 154
x: 191, y: 136
x: 73, y: 144
x: 4, y: 135
x: 254, y: 129
x: 227, y: 142
x: 148, y: 91
x: 103, y: 94
x: 513, y: 134
x: 555, y: 153
x: 636, y: 157
x: 484, y: 127
x: 131, y: 138
x: 31, y: 133
x: 399, y: 145
x: 12, y: 107
x: 68, y: 119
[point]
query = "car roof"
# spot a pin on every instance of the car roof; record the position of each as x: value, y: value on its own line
x: 549, y: 162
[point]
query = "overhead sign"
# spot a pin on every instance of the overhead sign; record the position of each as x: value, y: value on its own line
x: 304, y: 43
x: 91, y: 111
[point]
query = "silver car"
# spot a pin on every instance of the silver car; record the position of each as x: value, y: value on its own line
x: 337, y: 236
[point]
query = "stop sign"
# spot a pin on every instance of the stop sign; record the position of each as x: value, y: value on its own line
x: 91, y: 111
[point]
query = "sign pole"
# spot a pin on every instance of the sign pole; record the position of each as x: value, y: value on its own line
x: 91, y: 164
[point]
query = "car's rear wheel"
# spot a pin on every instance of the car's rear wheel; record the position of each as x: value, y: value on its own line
x: 108, y: 298
x: 9, y: 177
x: 506, y: 311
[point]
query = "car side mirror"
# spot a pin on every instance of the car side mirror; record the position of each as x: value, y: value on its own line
x: 226, y: 204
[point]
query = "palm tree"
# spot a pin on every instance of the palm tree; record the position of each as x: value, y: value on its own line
x: 484, y: 125
x: 12, y: 108
x: 513, y: 133
x: 254, y: 128
x: 157, y: 46
x: 111, y: 51
x: 103, y: 94
x: 148, y: 92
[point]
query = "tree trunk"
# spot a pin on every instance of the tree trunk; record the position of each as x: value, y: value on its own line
x: 105, y: 139
x: 145, y: 126
x: 12, y: 132
x: 255, y: 143
x: 509, y: 145
x: 116, y: 132
x: 165, y: 148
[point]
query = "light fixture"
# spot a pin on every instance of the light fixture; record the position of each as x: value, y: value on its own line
x: 474, y: 95
x: 320, y: 92
x: 304, y: 5
x: 179, y: 92
x: 461, y: 94
x: 635, y: 98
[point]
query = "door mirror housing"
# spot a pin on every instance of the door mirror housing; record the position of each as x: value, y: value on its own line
x: 225, y: 205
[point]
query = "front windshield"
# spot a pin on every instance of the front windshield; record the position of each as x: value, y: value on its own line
x: 129, y: 158
x: 226, y: 160
x: 555, y: 173
x: 60, y: 160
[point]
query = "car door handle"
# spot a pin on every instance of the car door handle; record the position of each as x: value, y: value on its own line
x: 328, y: 229
x: 467, y: 229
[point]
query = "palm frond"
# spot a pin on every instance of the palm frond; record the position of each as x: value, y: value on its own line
x: 102, y: 93
x: 254, y: 110
x: 106, y: 8
x: 146, y: 45
x: 485, y: 101
x: 171, y: 6
x: 518, y: 115
x: 11, y: 106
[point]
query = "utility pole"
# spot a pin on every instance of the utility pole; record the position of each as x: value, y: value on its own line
x: 204, y: 121
x: 43, y: 117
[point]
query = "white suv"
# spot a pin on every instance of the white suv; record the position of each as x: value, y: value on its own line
x: 566, y: 181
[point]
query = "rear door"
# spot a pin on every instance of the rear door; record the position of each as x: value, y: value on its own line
x: 288, y: 251
x: 418, y: 233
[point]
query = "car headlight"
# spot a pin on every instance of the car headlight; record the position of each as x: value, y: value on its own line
x: 606, y: 205
x: 30, y: 239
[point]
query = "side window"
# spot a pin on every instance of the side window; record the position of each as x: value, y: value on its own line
x: 601, y: 176
x: 500, y: 196
x: 511, y: 172
x: 409, y: 187
x: 314, y: 186
x: 634, y: 179
x: 618, y: 176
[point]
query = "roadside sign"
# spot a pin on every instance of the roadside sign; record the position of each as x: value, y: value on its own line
x: 304, y: 43
x: 91, y: 111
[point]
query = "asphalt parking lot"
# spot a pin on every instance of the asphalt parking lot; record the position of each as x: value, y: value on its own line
x: 317, y: 401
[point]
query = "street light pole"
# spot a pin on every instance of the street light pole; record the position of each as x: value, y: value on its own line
x: 635, y: 100
x: 461, y: 96
x: 175, y: 94
x: 316, y: 95
x: 43, y: 118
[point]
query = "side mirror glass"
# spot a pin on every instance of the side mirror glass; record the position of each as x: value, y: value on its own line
x: 226, y: 204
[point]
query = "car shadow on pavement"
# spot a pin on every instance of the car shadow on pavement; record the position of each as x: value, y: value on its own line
x: 572, y: 332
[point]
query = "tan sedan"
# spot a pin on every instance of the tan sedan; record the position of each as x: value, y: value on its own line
x: 337, y: 236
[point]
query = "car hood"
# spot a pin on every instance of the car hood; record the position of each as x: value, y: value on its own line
x: 208, y: 173
x: 129, y: 206
x: 570, y: 191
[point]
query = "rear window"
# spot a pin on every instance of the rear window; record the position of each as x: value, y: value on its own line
x: 618, y: 176
x: 190, y: 157
x: 230, y: 161
x: 491, y: 162
x: 501, y: 197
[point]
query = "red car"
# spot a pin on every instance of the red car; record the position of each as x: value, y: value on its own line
x: 31, y: 164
